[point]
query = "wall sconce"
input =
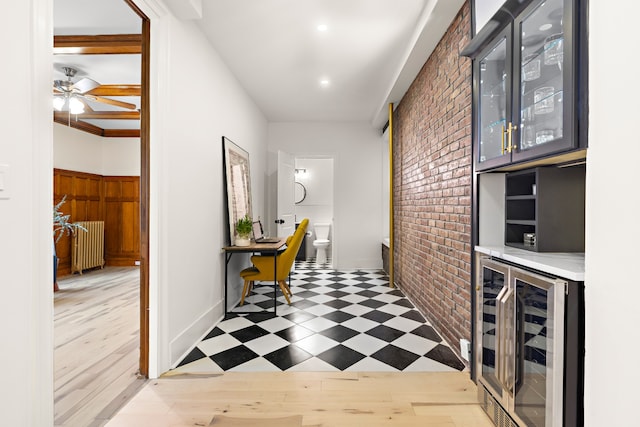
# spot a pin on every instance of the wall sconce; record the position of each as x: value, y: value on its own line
x: 301, y: 173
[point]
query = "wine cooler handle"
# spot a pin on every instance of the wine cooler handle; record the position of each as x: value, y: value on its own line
x: 503, y: 341
x: 509, y: 341
x: 500, y: 332
x: 519, y: 368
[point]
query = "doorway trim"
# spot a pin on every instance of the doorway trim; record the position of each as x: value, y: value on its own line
x: 153, y: 314
x: 144, y: 189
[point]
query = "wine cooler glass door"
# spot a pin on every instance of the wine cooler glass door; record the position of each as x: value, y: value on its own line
x: 539, y: 349
x: 493, y: 287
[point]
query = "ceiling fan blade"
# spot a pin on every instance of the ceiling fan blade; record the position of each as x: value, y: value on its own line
x: 110, y: 101
x: 85, y: 85
x: 87, y: 108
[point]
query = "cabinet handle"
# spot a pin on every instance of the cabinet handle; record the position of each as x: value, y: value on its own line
x: 511, y: 128
x: 502, y: 131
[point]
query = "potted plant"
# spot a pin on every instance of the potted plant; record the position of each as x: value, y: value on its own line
x: 61, y: 226
x: 244, y: 226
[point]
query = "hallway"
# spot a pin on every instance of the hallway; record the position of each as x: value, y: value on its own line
x: 338, y: 321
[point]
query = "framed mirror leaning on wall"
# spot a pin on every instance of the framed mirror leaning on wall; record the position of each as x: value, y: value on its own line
x: 237, y: 184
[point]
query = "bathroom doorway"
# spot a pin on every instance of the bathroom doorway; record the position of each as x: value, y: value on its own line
x: 314, y: 182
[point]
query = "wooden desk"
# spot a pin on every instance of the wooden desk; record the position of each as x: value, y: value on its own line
x: 263, y: 248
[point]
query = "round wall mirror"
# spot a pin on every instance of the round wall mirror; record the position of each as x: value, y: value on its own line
x: 301, y: 192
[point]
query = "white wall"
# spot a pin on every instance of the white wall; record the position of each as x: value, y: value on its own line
x: 120, y: 157
x: 485, y: 9
x: 187, y: 182
x: 612, y: 284
x: 26, y: 276
x: 355, y: 148
x: 75, y: 150
x: 83, y: 152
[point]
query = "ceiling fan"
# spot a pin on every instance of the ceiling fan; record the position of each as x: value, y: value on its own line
x: 70, y: 96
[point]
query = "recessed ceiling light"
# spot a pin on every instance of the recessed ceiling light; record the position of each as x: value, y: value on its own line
x: 545, y: 27
x: 325, y: 82
x: 322, y: 27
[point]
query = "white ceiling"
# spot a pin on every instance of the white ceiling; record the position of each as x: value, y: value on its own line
x: 276, y: 51
x: 80, y: 17
x: 370, y: 52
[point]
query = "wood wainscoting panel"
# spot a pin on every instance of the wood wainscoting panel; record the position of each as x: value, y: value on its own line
x: 87, y: 198
x: 112, y: 199
x: 83, y: 193
x: 122, y: 219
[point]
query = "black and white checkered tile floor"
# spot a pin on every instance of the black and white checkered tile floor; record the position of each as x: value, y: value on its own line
x: 337, y: 321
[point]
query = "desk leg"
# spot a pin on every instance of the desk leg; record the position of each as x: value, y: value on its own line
x: 226, y: 281
x: 275, y: 281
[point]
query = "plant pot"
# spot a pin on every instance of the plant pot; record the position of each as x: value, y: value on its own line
x: 55, y: 273
x: 55, y: 268
x: 242, y: 241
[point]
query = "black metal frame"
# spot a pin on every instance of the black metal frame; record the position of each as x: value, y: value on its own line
x: 228, y: 255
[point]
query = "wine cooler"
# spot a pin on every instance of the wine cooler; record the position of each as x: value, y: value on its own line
x: 529, y: 346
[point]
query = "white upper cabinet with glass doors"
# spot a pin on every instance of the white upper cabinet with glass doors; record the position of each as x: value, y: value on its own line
x: 529, y: 101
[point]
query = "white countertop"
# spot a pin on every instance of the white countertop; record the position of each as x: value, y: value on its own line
x: 562, y: 264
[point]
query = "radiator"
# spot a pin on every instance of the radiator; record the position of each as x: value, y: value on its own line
x: 88, y: 246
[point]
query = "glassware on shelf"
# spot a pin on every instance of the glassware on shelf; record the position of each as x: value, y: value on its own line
x: 544, y: 135
x: 528, y: 139
x: 553, y: 49
x: 558, y: 100
x: 530, y: 67
x: 543, y: 100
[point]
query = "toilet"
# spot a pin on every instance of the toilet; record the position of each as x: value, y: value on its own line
x: 322, y: 241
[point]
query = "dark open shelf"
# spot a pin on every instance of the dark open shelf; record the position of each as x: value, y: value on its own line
x: 526, y: 197
x: 548, y: 202
x: 521, y: 222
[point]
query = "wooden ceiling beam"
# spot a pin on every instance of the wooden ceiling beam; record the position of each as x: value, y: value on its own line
x: 97, y: 45
x: 63, y: 119
x: 110, y: 115
x: 121, y: 133
x: 116, y: 90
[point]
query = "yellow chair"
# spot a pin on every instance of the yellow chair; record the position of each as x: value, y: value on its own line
x: 263, y: 265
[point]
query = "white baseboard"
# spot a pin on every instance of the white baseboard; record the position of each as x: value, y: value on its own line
x: 180, y: 346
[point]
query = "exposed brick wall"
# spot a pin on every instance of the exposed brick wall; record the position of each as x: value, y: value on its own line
x: 432, y: 186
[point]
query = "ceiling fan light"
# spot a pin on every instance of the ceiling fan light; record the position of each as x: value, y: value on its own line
x: 76, y: 106
x: 58, y: 103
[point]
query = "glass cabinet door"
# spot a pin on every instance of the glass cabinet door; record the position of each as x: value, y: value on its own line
x: 543, y: 80
x: 494, y: 84
x: 494, y: 282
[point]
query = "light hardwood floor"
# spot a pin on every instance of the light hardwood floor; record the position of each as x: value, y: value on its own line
x: 327, y: 399
x: 96, y: 330
x: 96, y: 356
